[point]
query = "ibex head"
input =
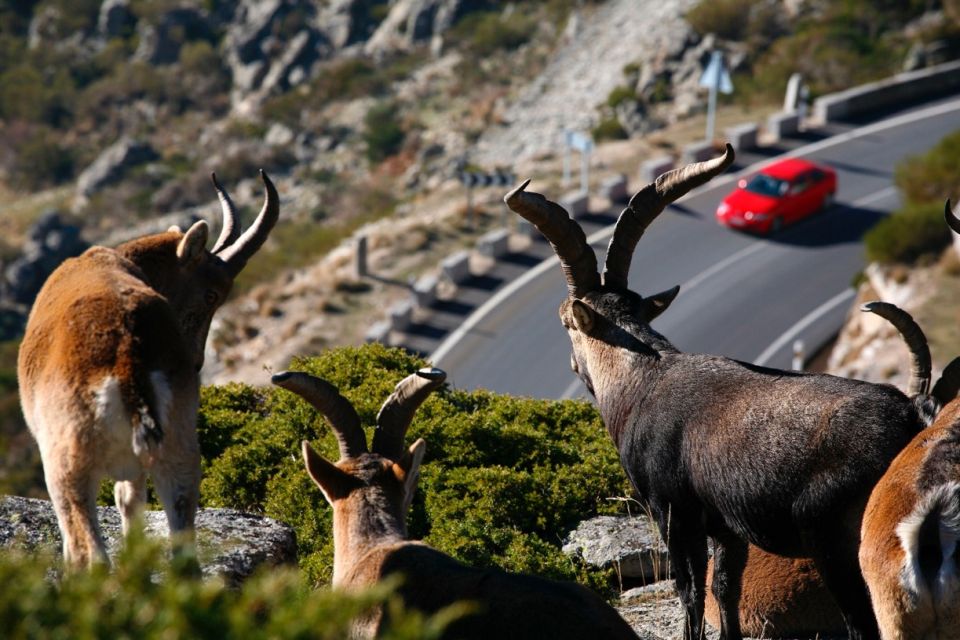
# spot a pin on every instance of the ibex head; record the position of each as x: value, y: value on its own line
x: 601, y: 310
x: 193, y: 280
x: 387, y: 474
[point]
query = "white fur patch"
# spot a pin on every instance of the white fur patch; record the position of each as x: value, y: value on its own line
x: 946, y: 583
x: 108, y: 402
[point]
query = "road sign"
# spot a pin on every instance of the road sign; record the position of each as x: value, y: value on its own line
x: 715, y: 78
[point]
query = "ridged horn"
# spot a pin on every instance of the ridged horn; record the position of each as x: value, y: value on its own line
x: 948, y: 385
x: 336, y: 409
x: 237, y: 254
x: 231, y: 225
x: 577, y: 259
x: 397, y: 411
x: 917, y: 343
x: 646, y: 205
x: 951, y: 217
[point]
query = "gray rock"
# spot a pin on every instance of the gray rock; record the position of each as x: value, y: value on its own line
x: 115, y: 19
x: 111, y: 165
x: 49, y: 242
x: 231, y: 544
x: 632, y: 545
x: 160, y: 43
x: 412, y: 22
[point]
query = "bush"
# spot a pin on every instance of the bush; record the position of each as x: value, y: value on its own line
x: 504, y: 479
x: 905, y: 236
x: 609, y: 129
x: 145, y: 596
x: 382, y: 132
x: 933, y: 176
x: 725, y: 18
x: 484, y: 33
x: 42, y: 161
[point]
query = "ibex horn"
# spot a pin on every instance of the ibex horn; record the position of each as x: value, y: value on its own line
x: 231, y: 226
x: 917, y: 343
x: 397, y: 411
x: 646, y: 205
x: 577, y: 259
x: 952, y: 221
x: 327, y: 400
x: 237, y: 253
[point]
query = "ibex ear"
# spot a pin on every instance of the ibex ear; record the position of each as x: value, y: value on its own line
x: 333, y: 482
x: 583, y: 316
x: 656, y: 304
x: 193, y: 244
x: 407, y: 470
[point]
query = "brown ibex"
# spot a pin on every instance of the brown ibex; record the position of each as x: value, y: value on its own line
x: 370, y: 493
x: 721, y: 448
x: 911, y: 526
x: 109, y: 370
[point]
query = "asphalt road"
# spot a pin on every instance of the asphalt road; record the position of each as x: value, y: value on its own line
x: 740, y: 296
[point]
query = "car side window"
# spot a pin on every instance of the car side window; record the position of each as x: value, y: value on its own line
x: 800, y: 184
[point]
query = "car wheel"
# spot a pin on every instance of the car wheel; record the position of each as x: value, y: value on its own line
x: 827, y: 202
x: 776, y: 225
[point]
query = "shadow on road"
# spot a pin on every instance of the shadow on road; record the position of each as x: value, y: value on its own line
x: 841, y: 224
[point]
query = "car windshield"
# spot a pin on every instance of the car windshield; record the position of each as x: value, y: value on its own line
x: 766, y: 186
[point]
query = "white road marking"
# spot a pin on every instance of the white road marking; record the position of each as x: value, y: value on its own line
x: 486, y: 308
x: 844, y: 296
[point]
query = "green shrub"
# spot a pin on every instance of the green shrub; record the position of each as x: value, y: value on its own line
x: 933, y: 176
x: 725, y: 18
x: 619, y: 95
x: 504, y: 479
x: 906, y: 235
x: 42, y: 160
x: 146, y: 596
x: 609, y: 129
x: 484, y: 33
x: 382, y: 131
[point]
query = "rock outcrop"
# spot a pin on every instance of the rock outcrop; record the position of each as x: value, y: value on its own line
x: 231, y: 544
x: 631, y: 545
x: 112, y: 164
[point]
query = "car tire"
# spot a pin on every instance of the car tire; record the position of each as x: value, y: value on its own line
x: 776, y: 226
x: 827, y: 202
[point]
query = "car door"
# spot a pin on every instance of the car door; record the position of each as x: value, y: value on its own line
x: 795, y: 198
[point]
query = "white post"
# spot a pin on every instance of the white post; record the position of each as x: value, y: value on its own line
x: 797, y: 364
x: 711, y: 111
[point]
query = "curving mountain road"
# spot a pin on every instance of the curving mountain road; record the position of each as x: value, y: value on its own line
x: 740, y: 296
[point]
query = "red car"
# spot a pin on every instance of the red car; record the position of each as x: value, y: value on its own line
x: 781, y: 194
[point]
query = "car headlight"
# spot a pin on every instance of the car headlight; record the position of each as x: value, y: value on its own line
x: 723, y: 209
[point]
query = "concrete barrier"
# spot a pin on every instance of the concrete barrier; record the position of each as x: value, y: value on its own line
x: 782, y: 125
x: 652, y: 168
x: 401, y: 315
x: 614, y: 189
x: 494, y: 244
x: 379, y: 332
x: 425, y: 291
x: 456, y: 268
x: 913, y: 86
x: 742, y: 137
x: 698, y: 152
x: 576, y: 203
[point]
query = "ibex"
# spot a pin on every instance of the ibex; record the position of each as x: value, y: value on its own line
x: 370, y: 493
x: 785, y: 597
x: 109, y: 370
x: 911, y: 527
x: 720, y: 448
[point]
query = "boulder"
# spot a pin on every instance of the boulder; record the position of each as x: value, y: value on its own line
x: 631, y: 545
x: 111, y: 165
x: 230, y: 544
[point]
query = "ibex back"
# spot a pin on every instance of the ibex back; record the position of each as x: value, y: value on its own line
x: 109, y: 370
x: 721, y: 448
x: 370, y: 493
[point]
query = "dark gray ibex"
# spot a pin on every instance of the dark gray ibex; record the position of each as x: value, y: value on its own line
x: 720, y: 448
x: 109, y: 370
x: 370, y: 493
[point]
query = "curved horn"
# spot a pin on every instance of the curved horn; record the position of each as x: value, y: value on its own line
x: 646, y: 205
x: 577, y: 259
x: 336, y: 409
x: 952, y: 221
x: 237, y: 254
x: 948, y: 385
x: 397, y: 411
x: 917, y: 343
x: 231, y: 227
